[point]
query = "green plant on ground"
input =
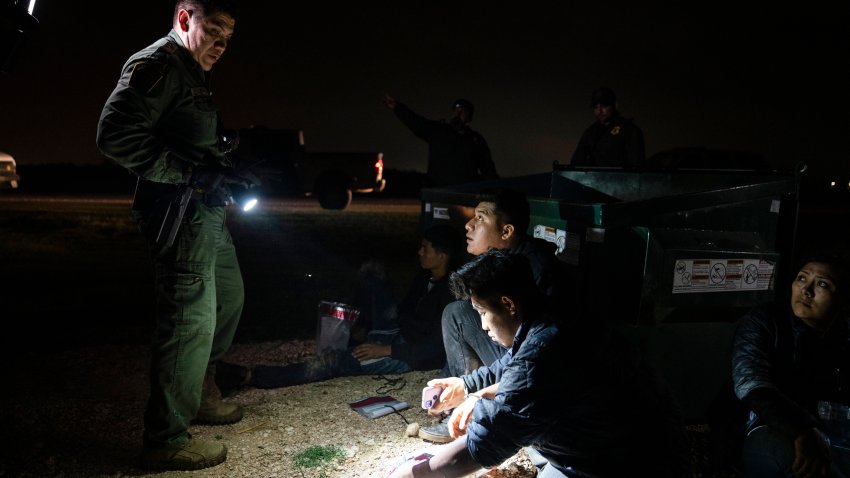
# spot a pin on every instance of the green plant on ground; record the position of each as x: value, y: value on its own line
x: 317, y: 456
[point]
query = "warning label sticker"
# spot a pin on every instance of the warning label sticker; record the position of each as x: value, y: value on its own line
x: 568, y: 243
x: 721, y: 275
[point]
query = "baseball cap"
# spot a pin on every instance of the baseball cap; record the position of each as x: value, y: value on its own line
x: 603, y: 96
x: 464, y: 103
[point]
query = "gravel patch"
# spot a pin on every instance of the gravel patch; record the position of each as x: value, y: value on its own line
x: 79, y: 413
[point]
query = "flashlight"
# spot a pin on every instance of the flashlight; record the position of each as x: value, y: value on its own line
x: 245, y: 199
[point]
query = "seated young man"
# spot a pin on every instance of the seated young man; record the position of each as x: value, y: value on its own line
x: 575, y: 392
x: 402, y: 337
x: 501, y: 221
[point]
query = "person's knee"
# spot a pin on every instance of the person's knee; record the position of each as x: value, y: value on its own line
x: 457, y: 313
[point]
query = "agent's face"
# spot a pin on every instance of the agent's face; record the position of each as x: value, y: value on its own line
x: 500, y: 320
x: 207, y: 37
x: 814, y: 298
x: 460, y: 117
x: 484, y: 230
x: 603, y: 112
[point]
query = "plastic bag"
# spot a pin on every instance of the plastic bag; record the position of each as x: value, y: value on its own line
x: 334, y: 325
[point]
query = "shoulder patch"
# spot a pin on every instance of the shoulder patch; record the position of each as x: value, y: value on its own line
x: 146, y: 76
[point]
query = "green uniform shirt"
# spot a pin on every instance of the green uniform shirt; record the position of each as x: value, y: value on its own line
x: 160, y: 118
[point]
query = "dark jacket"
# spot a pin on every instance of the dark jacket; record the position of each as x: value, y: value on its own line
x: 781, y: 368
x: 419, y: 316
x: 454, y: 156
x: 547, y: 270
x: 584, y: 399
x: 616, y: 143
x: 160, y: 119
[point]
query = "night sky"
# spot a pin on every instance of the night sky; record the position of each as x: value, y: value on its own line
x: 764, y: 79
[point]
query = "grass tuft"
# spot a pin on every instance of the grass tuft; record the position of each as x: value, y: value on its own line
x: 318, y: 456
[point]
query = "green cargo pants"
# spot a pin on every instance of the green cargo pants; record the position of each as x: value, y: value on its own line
x: 199, y: 299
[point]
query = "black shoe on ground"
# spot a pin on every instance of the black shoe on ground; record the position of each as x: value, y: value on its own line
x: 437, y: 433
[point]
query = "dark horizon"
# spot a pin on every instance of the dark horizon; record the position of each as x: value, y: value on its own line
x: 728, y: 78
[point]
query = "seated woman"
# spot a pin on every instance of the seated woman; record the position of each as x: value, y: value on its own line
x: 574, y: 391
x: 399, y: 337
x: 791, y: 366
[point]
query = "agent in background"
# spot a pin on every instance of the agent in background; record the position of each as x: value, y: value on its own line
x: 611, y: 141
x: 456, y: 153
x: 791, y: 368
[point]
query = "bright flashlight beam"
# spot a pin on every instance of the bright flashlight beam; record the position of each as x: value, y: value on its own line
x: 31, y: 8
x: 249, y: 204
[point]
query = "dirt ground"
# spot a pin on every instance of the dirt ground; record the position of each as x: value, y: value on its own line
x: 78, y: 413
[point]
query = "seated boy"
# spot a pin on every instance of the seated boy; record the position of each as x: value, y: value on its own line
x: 575, y: 392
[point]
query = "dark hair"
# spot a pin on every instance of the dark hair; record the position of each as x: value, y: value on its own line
x: 447, y: 239
x: 498, y: 273
x: 209, y: 7
x: 511, y: 207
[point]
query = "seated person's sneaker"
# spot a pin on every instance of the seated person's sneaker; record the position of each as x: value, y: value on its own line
x: 191, y: 455
x: 438, y: 432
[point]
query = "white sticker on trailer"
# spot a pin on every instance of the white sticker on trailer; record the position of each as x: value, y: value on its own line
x: 441, y: 213
x: 553, y: 235
x: 721, y: 275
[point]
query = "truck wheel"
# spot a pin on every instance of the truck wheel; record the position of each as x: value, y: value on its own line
x: 333, y: 193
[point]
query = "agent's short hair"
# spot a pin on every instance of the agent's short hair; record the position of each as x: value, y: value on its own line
x: 511, y: 207
x: 209, y: 7
x: 494, y: 274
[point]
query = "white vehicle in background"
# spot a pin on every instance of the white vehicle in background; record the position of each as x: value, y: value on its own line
x: 8, y: 172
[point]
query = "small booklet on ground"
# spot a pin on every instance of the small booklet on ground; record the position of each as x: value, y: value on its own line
x: 374, y: 407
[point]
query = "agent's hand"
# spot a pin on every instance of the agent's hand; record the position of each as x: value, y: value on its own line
x: 461, y: 416
x: 452, y: 396
x: 811, y: 455
x: 371, y: 351
x: 244, y: 177
x: 389, y: 101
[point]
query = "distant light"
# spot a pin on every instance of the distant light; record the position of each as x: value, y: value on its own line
x: 249, y: 204
x: 832, y: 184
x: 31, y: 7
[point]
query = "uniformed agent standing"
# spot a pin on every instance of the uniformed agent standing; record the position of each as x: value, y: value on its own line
x: 456, y: 153
x: 160, y: 123
x: 612, y: 141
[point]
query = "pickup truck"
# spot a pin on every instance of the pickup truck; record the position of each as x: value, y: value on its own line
x: 332, y: 177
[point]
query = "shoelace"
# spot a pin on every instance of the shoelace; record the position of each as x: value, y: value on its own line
x: 391, y: 385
